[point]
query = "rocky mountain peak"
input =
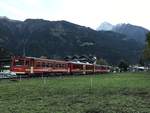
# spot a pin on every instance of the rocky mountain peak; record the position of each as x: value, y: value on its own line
x: 137, y: 33
x: 105, y: 26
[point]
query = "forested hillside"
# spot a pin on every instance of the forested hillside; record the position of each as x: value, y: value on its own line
x: 57, y: 39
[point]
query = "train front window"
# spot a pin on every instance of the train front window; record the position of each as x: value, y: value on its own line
x: 19, y: 62
x: 27, y: 63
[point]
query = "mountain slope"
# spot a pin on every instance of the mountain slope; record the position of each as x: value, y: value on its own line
x: 37, y: 37
x: 131, y: 31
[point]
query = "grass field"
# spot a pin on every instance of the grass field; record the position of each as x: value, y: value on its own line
x: 106, y: 93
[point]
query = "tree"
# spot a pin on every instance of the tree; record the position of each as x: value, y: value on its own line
x: 102, y: 61
x: 123, y: 65
x: 147, y: 53
x: 147, y: 48
x: 148, y: 39
x: 141, y: 61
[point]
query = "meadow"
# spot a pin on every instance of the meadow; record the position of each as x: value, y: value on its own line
x: 103, y: 93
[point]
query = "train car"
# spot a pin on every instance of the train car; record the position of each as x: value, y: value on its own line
x: 32, y: 65
x: 77, y: 68
x: 89, y: 68
x: 101, y: 69
x: 81, y: 68
x: 38, y: 66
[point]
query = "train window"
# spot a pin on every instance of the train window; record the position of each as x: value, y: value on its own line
x: 102, y: 67
x: 56, y: 65
x: 66, y: 65
x: 19, y: 62
x: 75, y: 66
x: 50, y: 65
x: 38, y: 64
x: 63, y: 66
x: 27, y: 63
x: 80, y: 66
x: 43, y: 64
x: 32, y: 62
x: 89, y: 67
x: 59, y: 65
x: 47, y: 65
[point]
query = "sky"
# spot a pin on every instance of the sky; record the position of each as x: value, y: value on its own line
x: 90, y: 13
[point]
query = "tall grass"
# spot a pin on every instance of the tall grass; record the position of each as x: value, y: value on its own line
x: 105, y: 93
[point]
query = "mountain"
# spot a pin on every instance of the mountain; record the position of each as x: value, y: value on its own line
x: 131, y: 31
x: 105, y: 26
x: 57, y: 39
x: 5, y: 53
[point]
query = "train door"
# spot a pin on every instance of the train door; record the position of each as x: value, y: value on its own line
x: 70, y: 67
x: 84, y: 69
x: 94, y: 68
x: 32, y: 66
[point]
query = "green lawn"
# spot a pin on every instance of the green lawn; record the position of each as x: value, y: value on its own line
x: 105, y: 93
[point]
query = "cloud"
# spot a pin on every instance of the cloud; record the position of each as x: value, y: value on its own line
x: 84, y: 12
x: 34, y: 4
x: 93, y: 12
x: 22, y: 9
x: 12, y: 10
x: 38, y: 8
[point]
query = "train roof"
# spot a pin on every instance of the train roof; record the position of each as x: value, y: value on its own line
x: 55, y: 60
x: 78, y: 62
x: 44, y: 59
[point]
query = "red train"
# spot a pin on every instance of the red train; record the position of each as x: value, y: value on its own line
x: 32, y: 65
